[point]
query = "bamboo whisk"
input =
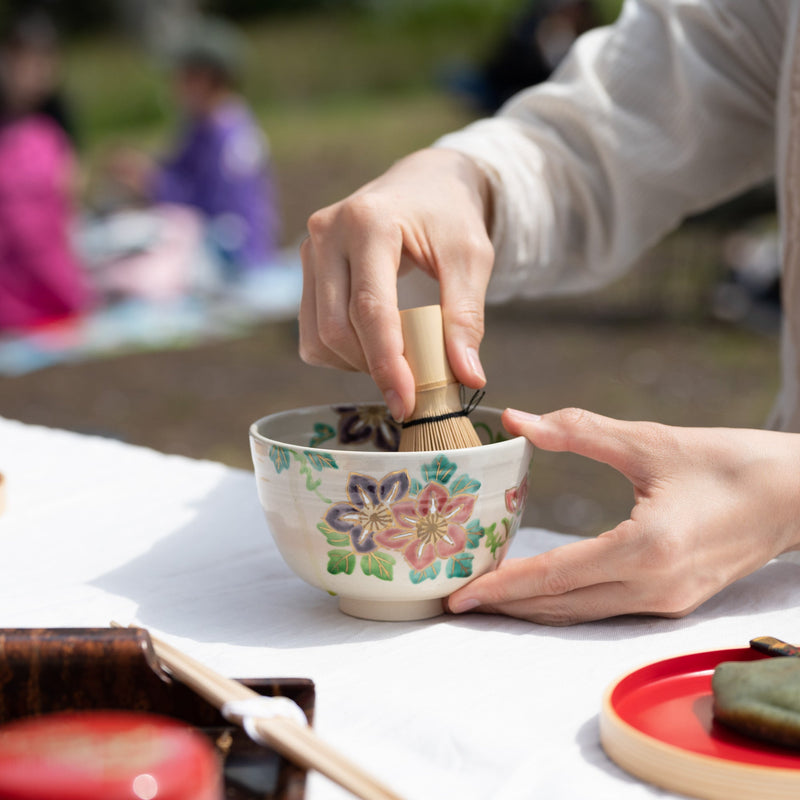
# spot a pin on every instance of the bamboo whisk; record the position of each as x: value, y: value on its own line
x: 439, y: 421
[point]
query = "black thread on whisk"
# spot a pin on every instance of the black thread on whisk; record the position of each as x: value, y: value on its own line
x: 466, y: 409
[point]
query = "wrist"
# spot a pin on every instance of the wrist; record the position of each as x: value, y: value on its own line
x: 454, y: 165
x: 784, y: 487
x: 477, y: 182
x: 794, y: 493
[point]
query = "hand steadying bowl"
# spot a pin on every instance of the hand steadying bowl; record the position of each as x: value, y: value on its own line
x: 389, y: 533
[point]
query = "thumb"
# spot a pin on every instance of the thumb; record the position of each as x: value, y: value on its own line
x: 626, y: 446
x: 463, y: 331
x: 463, y: 295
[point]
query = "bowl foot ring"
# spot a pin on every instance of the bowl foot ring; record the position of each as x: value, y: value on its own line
x: 390, y: 610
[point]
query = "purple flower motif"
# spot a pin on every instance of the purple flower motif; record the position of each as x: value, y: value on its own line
x: 359, y: 424
x: 369, y: 510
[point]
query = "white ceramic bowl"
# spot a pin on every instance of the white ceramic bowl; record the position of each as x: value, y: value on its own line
x: 389, y: 533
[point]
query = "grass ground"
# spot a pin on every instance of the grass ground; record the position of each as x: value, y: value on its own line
x: 341, y: 99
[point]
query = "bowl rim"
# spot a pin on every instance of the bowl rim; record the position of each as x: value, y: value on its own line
x: 256, y: 435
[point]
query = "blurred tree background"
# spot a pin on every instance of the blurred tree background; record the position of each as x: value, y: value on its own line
x: 343, y: 88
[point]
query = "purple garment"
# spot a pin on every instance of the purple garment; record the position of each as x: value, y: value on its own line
x: 221, y: 168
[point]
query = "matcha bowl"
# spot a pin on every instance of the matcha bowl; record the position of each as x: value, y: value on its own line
x: 390, y: 534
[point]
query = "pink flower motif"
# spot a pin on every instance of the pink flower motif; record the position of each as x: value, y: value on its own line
x: 429, y: 526
x: 516, y: 497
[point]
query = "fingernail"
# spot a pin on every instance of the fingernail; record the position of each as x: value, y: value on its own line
x: 475, y: 363
x: 522, y: 416
x: 460, y: 606
x: 395, y: 404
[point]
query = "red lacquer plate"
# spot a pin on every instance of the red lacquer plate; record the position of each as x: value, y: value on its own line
x: 106, y: 755
x: 657, y: 723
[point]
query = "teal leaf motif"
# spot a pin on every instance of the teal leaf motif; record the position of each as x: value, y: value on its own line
x: 492, y: 540
x: 279, y: 457
x: 311, y: 484
x: 460, y: 565
x: 463, y: 484
x: 474, y: 534
x: 417, y: 576
x: 496, y: 538
x: 341, y: 561
x: 321, y: 461
x: 379, y: 564
x: 416, y: 487
x: 335, y: 538
x: 441, y: 469
x: 512, y: 526
x: 322, y: 433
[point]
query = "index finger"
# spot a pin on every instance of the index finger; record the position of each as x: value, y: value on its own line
x: 374, y: 314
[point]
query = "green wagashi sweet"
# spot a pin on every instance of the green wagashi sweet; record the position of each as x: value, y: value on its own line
x: 760, y: 698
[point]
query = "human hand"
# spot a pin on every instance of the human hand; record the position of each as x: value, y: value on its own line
x: 711, y: 506
x: 430, y: 210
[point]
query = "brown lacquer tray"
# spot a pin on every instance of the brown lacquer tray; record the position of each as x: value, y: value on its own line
x: 77, y: 669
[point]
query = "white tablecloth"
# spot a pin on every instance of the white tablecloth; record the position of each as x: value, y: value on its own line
x: 469, y: 707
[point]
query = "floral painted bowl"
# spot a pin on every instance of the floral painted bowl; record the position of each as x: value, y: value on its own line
x: 389, y: 533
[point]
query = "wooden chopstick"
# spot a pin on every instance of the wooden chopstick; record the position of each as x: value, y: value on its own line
x: 296, y: 742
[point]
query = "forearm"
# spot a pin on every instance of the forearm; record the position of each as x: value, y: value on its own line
x: 633, y: 133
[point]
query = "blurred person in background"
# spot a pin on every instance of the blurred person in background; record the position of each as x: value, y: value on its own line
x: 678, y: 106
x: 40, y: 279
x: 219, y: 166
x: 532, y: 46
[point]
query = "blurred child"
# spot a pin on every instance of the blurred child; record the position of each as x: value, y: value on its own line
x: 219, y: 165
x: 40, y: 279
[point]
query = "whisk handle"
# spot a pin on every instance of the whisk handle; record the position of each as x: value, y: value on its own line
x: 423, y: 334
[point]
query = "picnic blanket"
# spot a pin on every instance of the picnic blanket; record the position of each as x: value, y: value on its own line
x: 136, y: 324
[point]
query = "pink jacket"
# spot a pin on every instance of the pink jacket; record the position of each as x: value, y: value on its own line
x: 40, y: 279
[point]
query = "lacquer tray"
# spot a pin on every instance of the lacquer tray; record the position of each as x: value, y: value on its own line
x: 657, y: 723
x: 63, y: 669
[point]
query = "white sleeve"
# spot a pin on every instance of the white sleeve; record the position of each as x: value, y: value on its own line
x: 663, y: 114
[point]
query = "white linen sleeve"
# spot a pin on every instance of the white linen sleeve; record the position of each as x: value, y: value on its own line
x: 665, y: 113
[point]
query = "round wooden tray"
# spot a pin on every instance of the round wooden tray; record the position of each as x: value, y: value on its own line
x: 657, y: 723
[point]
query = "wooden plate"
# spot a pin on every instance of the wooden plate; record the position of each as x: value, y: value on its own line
x: 657, y: 723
